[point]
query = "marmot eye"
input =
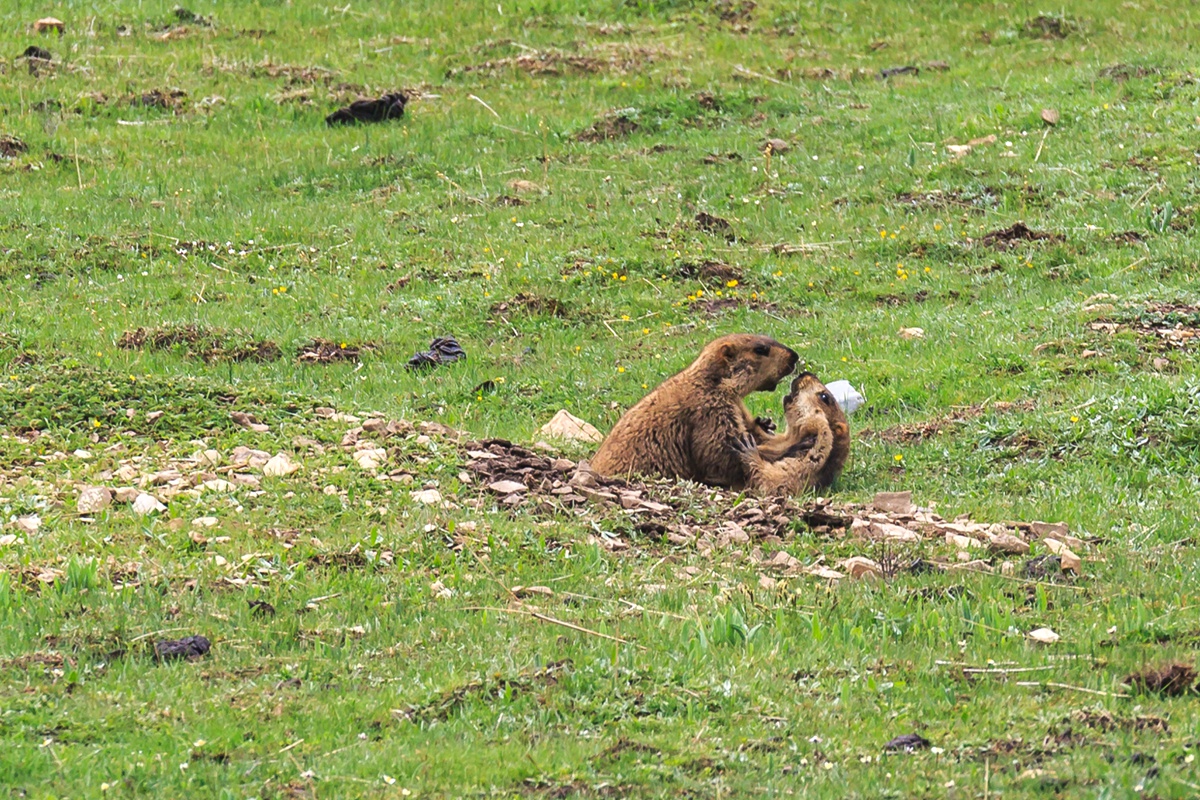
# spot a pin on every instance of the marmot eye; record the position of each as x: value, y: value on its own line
x: 825, y: 398
x: 762, y: 349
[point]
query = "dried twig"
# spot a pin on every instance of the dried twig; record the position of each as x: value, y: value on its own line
x: 1053, y: 685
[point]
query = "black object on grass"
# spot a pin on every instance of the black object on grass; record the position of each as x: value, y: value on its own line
x: 390, y: 106
x: 443, y: 350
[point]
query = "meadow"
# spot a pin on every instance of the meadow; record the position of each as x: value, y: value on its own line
x: 982, y: 214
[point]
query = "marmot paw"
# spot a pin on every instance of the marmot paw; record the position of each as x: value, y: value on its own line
x: 766, y: 423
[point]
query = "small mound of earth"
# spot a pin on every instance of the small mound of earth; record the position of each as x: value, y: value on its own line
x: 1123, y: 72
x: 709, y: 270
x: 720, y: 305
x: 1172, y: 679
x: 710, y: 223
x: 530, y: 304
x: 11, y: 146
x: 612, y: 127
x: 1009, y: 237
x: 687, y: 514
x: 171, y: 100
x: 1174, y: 325
x: 203, y: 343
x: 1048, y: 27
x: 323, y: 351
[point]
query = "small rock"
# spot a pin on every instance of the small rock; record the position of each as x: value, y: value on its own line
x: 205, y: 522
x: 29, y: 524
x: 126, y: 494
x: 82, y: 454
x: 565, y: 425
x: 1050, y: 116
x: 894, y: 502
x: 93, y: 499
x: 860, y: 567
x: 912, y: 333
x: 507, y: 487
x: 1069, y: 560
x: 48, y: 24
x: 439, y: 590
x: 777, y: 146
x: 280, y: 465
x: 1043, y: 636
x: 146, y: 504
x: 429, y: 497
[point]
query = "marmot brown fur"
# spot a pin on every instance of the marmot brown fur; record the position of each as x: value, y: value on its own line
x: 689, y: 426
x: 810, y: 454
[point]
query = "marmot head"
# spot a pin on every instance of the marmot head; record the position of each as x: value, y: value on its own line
x: 809, y: 397
x: 747, y: 363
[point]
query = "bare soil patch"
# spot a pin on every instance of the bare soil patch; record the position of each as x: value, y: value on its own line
x: 1170, y: 325
x: 203, y: 343
x: 610, y: 127
x: 914, y: 433
x: 324, y: 351
x: 1011, y: 237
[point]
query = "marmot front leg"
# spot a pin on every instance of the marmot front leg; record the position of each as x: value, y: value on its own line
x: 792, y: 474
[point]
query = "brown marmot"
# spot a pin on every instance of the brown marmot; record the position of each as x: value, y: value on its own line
x: 688, y: 427
x: 810, y: 454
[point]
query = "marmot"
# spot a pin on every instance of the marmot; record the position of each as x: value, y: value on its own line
x: 810, y: 453
x: 688, y: 427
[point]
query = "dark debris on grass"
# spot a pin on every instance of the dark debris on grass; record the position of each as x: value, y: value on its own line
x: 380, y: 109
x: 443, y: 350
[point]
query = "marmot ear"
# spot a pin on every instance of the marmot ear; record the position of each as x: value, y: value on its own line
x: 728, y: 351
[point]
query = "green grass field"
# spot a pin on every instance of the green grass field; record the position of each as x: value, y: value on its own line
x: 539, y: 200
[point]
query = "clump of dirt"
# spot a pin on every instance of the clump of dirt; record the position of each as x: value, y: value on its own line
x: 1173, y: 325
x: 441, y: 707
x: 294, y: 73
x: 189, y: 17
x: 170, y: 100
x: 732, y: 11
x: 914, y: 433
x: 203, y: 343
x: 614, y: 126
x: 661, y: 511
x: 972, y: 200
x: 324, y: 351
x: 616, y: 57
x: 895, y: 300
x: 892, y: 72
x: 1019, y: 232
x: 722, y: 158
x: 530, y: 304
x: 1123, y: 72
x: 719, y: 305
x: 710, y: 223
x: 907, y: 743
x: 1128, y: 237
x: 380, y: 109
x: 1172, y: 679
x: 1046, y: 26
x: 709, y: 270
x: 11, y: 146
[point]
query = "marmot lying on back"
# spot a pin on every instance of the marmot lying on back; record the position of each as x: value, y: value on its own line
x: 691, y: 425
x: 810, y: 454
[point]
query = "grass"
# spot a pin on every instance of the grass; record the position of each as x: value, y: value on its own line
x: 233, y: 209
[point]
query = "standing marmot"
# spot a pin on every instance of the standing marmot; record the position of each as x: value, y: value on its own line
x: 810, y: 453
x: 689, y: 426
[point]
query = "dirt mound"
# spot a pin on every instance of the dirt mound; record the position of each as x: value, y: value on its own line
x: 914, y: 433
x: 709, y: 270
x: 530, y: 304
x: 611, y: 127
x: 655, y: 512
x: 1123, y: 72
x: 616, y: 57
x: 323, y: 351
x: 11, y: 146
x: 1008, y: 238
x: 170, y: 100
x: 1172, y: 325
x: 203, y: 343
x: 1045, y: 26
